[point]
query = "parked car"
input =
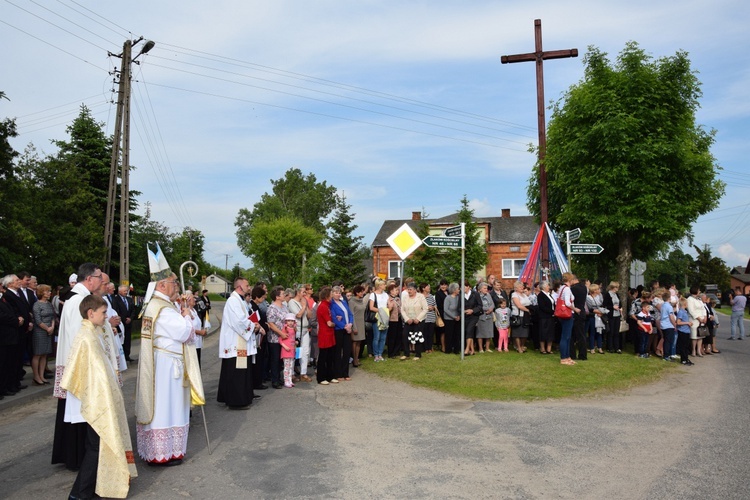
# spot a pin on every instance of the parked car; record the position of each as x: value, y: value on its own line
x: 714, y: 299
x: 225, y: 294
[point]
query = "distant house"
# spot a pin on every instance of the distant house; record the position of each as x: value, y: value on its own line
x: 508, y: 241
x: 217, y: 284
x: 740, y: 277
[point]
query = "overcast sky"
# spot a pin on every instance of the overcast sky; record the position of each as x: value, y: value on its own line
x: 403, y: 106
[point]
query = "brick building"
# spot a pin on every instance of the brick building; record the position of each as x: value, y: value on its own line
x: 740, y: 277
x: 507, y: 239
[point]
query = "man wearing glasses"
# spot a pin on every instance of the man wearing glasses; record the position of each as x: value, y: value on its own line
x: 70, y: 428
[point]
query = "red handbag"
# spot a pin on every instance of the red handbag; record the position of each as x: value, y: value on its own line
x: 561, y: 310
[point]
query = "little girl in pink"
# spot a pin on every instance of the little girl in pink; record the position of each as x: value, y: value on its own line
x: 288, y: 347
x: 502, y: 322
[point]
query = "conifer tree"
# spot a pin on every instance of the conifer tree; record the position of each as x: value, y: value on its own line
x: 345, y: 253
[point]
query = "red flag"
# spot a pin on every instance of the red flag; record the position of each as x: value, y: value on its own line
x: 254, y: 317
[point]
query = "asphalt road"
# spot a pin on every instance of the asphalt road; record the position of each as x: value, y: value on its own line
x: 683, y: 437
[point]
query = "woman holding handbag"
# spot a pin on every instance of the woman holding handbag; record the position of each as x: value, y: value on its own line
x: 564, y: 310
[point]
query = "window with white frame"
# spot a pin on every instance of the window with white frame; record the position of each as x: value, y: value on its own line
x: 512, y: 267
x: 394, y: 269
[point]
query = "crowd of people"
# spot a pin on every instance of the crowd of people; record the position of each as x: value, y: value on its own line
x: 391, y: 320
x: 287, y: 336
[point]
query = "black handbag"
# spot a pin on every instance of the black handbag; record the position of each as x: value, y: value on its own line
x: 516, y: 321
x: 370, y: 315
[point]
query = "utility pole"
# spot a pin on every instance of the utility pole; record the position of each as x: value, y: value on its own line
x: 226, y: 261
x: 122, y: 133
x: 110, y: 215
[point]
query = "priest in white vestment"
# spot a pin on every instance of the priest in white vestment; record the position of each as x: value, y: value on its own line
x: 168, y: 371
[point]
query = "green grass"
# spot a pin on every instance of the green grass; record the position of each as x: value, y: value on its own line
x: 525, y: 377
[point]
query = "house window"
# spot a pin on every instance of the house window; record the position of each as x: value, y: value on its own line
x: 515, y: 248
x: 394, y: 269
x: 213, y: 279
x: 512, y: 267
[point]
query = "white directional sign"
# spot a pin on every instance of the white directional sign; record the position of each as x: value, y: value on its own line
x: 586, y: 248
x: 442, y: 242
x: 452, y: 231
x: 404, y: 241
x: 573, y: 234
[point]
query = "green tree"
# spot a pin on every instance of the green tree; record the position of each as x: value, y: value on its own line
x: 476, y: 252
x: 145, y: 230
x: 10, y: 255
x: 296, y: 200
x: 278, y: 248
x: 709, y: 269
x: 622, y: 144
x: 59, y: 232
x: 674, y: 267
x: 345, y: 253
x: 425, y: 264
x: 295, y: 194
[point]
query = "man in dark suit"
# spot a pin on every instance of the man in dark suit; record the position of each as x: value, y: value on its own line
x: 578, y: 344
x: 21, y: 308
x: 125, y: 308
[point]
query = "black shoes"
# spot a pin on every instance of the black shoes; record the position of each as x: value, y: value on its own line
x: 277, y: 385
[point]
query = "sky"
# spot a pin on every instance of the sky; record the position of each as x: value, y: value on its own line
x: 402, y: 106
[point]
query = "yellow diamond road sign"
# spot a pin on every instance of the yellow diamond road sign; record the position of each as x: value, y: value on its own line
x: 404, y: 241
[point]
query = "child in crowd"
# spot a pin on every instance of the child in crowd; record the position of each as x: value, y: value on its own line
x: 502, y: 322
x: 645, y: 328
x: 91, y: 376
x: 288, y: 348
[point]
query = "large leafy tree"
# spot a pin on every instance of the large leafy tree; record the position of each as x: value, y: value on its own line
x: 626, y: 160
x: 279, y: 247
x: 298, y: 201
x: 345, y: 252
x: 295, y: 194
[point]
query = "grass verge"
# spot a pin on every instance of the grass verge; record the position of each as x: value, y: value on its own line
x: 522, y: 377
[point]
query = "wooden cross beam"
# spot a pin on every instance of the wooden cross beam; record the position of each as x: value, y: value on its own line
x: 539, y: 56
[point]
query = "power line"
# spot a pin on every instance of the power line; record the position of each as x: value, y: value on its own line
x: 323, y: 81
x: 57, y: 26
x: 127, y: 33
x: 357, y: 108
x: 71, y: 22
x: 51, y: 45
x: 353, y: 120
x: 341, y: 96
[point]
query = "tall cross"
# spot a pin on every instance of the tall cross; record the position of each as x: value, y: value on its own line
x: 539, y: 56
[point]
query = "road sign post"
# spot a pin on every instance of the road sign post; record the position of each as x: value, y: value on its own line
x: 586, y: 248
x: 443, y: 242
x: 455, y: 231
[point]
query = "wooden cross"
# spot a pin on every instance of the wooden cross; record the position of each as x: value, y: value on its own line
x: 539, y: 56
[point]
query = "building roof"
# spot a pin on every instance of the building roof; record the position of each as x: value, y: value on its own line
x: 222, y: 278
x: 517, y: 229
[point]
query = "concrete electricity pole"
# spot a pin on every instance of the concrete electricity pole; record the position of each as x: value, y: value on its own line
x: 122, y: 133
